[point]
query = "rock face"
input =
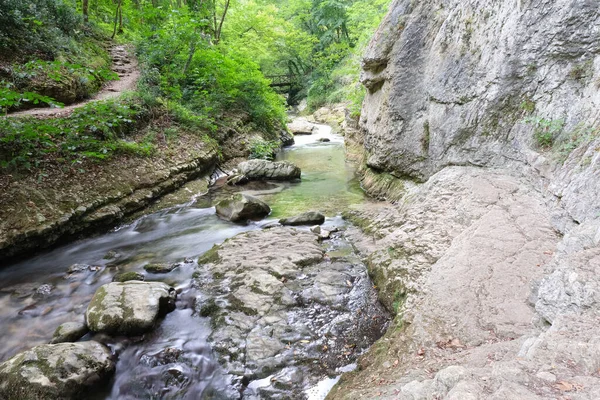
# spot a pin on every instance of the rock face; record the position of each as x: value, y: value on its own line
x: 493, y: 288
x: 301, y: 126
x: 56, y: 371
x: 307, y: 218
x: 451, y: 82
x: 129, y: 308
x: 242, y: 207
x: 268, y: 170
x: 278, y: 307
x: 69, y: 332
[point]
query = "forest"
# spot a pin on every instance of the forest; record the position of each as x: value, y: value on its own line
x: 201, y: 62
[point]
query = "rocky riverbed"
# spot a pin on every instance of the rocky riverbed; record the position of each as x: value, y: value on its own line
x: 268, y: 311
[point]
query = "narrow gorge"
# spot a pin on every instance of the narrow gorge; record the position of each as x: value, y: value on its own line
x: 442, y: 242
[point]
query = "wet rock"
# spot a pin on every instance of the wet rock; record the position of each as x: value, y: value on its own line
x: 129, y: 308
x: 161, y: 268
x: 69, y: 332
x: 56, y: 371
x: 301, y: 126
x: 307, y: 218
x: 277, y: 303
x: 269, y: 170
x: 79, y: 268
x: 242, y: 207
x: 111, y: 255
x: 287, y: 138
x: 324, y: 140
x: 234, y: 180
x: 44, y: 290
x: 128, y: 276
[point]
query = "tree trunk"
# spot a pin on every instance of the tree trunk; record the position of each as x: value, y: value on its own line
x: 218, y: 33
x: 85, y: 7
x: 116, y: 19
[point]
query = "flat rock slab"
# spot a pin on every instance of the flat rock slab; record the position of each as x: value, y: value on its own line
x: 56, y: 371
x: 307, y: 218
x: 129, y: 308
x: 269, y: 170
x: 242, y: 207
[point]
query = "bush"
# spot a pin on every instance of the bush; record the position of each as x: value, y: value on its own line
x: 262, y: 149
x: 95, y: 131
x: 36, y: 26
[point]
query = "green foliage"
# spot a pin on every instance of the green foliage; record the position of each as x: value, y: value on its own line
x: 95, y: 131
x: 263, y: 149
x: 37, y: 26
x: 545, y: 130
x: 580, y: 135
x: 207, y: 81
x: 12, y: 99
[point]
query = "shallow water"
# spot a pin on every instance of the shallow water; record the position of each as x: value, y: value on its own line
x: 39, y: 294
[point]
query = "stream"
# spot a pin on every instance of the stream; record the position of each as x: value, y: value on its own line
x: 177, y: 360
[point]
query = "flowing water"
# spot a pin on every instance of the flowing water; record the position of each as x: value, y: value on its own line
x: 40, y: 293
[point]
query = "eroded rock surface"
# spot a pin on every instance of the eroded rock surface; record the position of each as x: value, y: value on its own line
x: 451, y: 82
x: 56, y: 371
x: 129, y: 308
x: 493, y: 300
x: 279, y: 306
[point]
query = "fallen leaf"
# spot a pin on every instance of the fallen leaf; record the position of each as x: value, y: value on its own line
x: 564, y: 386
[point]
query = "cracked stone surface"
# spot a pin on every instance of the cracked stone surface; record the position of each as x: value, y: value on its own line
x: 281, y: 305
x: 496, y: 296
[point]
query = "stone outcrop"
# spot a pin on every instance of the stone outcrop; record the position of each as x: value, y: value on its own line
x: 242, y: 207
x: 452, y: 82
x: 279, y: 307
x: 129, y: 308
x: 257, y: 170
x: 56, y: 371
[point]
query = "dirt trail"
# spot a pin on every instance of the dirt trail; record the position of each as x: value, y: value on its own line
x: 124, y: 64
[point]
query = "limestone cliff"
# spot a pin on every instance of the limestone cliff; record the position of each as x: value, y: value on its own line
x: 450, y: 82
x: 490, y: 257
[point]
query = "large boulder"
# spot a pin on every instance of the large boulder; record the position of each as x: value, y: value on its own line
x: 242, y: 207
x: 301, y: 126
x: 55, y: 371
x: 307, y: 218
x: 256, y: 170
x: 129, y: 308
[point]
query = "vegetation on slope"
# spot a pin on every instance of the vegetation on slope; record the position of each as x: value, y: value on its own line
x: 202, y: 63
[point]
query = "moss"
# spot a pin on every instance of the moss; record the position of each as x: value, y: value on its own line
x: 382, y: 185
x: 96, y: 304
x: 128, y: 276
x: 237, y: 305
x: 210, y: 257
x: 209, y: 308
x: 582, y: 71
